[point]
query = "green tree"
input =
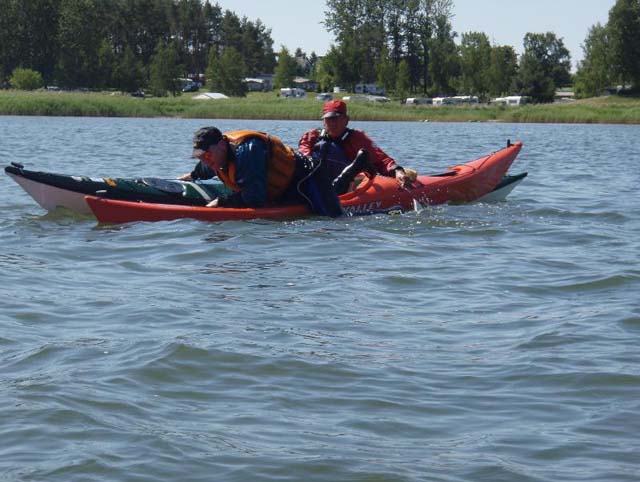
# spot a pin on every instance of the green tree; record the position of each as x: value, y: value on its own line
x: 394, y: 27
x: 128, y: 73
x: 444, y: 64
x: 359, y: 28
x: 301, y: 62
x: 372, y: 38
x: 544, y: 66
x: 594, y: 72
x: 79, y: 36
x: 624, y: 31
x: 191, y: 33
x: 412, y: 41
x: 30, y: 34
x: 26, y: 79
x: 257, y: 48
x: 327, y: 70
x: 106, y: 63
x: 285, y: 70
x: 349, y: 72
x: 143, y: 24
x: 212, y: 15
x: 265, y: 42
x: 313, y: 64
x: 386, y: 71
x: 429, y: 11
x: 403, y: 80
x: 231, y: 31
x: 415, y: 31
x: 503, y: 70
x: 368, y: 32
x: 8, y: 49
x: 475, y: 62
x: 534, y: 80
x: 226, y: 73
x: 165, y: 70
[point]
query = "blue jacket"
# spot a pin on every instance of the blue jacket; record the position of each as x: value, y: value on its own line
x: 250, y: 159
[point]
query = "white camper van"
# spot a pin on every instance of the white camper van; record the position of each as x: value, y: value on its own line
x: 292, y: 92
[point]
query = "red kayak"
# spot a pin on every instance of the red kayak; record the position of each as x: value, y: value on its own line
x: 463, y: 183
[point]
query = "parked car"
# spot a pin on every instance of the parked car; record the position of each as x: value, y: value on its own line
x: 191, y: 86
x: 324, y: 96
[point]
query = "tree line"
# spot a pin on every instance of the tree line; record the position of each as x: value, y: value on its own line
x: 612, y: 52
x: 127, y: 44
x: 406, y: 46
x: 409, y: 46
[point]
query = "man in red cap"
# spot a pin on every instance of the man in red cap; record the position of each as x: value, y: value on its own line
x: 340, y: 148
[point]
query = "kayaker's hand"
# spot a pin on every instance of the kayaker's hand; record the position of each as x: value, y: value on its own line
x: 185, y: 177
x: 402, y: 178
x: 213, y: 204
x: 412, y: 174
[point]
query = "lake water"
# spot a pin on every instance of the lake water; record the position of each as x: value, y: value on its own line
x: 494, y: 342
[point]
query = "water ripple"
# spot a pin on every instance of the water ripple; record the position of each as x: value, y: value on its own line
x: 484, y: 342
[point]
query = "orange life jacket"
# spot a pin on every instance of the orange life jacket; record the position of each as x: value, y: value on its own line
x: 281, y: 163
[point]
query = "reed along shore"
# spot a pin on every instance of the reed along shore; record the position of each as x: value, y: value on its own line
x: 604, y: 110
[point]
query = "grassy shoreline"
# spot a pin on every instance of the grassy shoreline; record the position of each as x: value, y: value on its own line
x: 602, y: 110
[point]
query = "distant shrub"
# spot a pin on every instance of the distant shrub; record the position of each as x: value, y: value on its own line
x: 26, y: 79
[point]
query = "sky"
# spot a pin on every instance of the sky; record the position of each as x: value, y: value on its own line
x: 299, y: 23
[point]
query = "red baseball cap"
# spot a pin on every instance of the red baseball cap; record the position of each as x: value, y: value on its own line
x: 334, y: 108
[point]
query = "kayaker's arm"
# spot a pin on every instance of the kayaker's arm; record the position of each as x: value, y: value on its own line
x: 307, y: 141
x: 200, y: 172
x: 250, y: 176
x: 384, y: 164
